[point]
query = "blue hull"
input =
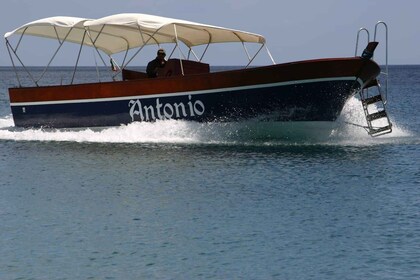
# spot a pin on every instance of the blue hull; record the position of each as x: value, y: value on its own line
x: 303, y: 101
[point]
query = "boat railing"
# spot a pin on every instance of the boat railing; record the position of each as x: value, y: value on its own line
x: 384, y: 70
x: 385, y: 73
x: 357, y: 38
x: 374, y: 105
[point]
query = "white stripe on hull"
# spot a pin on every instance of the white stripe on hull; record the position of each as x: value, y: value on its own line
x: 160, y: 95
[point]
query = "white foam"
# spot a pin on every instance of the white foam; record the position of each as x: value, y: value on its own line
x: 351, y: 132
x: 170, y: 131
x: 175, y: 131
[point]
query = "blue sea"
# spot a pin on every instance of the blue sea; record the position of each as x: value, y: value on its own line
x: 181, y: 200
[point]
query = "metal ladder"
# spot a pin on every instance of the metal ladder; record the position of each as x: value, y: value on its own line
x: 374, y: 105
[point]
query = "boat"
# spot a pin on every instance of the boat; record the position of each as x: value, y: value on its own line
x: 310, y: 92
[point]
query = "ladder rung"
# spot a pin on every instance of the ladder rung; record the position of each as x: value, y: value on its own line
x: 372, y: 99
x: 377, y: 115
x: 387, y: 128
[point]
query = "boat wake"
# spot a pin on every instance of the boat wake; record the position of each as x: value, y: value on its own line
x: 350, y: 131
x: 247, y: 132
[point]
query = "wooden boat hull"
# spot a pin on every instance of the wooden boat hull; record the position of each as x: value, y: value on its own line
x: 313, y: 91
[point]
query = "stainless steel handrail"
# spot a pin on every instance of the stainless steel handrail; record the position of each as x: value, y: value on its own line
x: 386, y: 73
x: 357, y: 39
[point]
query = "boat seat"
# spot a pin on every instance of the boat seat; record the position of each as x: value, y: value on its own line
x: 133, y: 75
x: 173, y: 68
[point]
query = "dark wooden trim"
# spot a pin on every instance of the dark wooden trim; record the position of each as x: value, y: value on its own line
x: 367, y: 70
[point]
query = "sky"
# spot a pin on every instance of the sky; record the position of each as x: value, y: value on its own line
x: 294, y: 29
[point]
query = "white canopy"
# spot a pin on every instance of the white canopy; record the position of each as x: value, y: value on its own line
x: 117, y: 33
x: 54, y: 27
x: 136, y: 30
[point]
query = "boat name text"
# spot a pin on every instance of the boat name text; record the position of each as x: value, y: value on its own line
x: 164, y: 111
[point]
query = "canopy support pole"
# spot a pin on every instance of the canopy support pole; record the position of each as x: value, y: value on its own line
x: 97, y: 51
x: 141, y: 48
x: 59, y: 47
x: 255, y: 56
x: 192, y: 51
x: 205, y: 50
x: 269, y: 54
x: 23, y: 65
x: 246, y: 51
x: 208, y: 44
x: 172, y: 52
x: 13, y: 62
x: 78, y: 57
x: 137, y: 52
x: 20, y: 39
x: 179, y: 49
x: 14, y: 50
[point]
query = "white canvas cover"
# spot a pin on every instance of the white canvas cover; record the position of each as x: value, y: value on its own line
x: 135, y: 30
x: 117, y: 33
x: 53, y: 27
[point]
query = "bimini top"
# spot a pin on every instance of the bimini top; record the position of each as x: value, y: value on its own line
x: 54, y: 28
x: 117, y: 33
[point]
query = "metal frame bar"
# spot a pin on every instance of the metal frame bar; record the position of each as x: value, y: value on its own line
x: 262, y: 46
x: 21, y: 37
x: 246, y: 51
x: 192, y: 51
x: 251, y: 59
x: 173, y: 50
x: 21, y: 62
x: 205, y: 51
x: 357, y: 38
x: 9, y: 46
x: 13, y: 62
x: 386, y: 73
x: 78, y: 57
x: 180, y: 51
x: 208, y: 44
x: 94, y: 41
x: 269, y: 54
x: 88, y: 31
x: 61, y: 43
x: 141, y: 48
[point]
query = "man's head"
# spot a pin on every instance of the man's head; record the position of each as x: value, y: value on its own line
x: 161, y: 53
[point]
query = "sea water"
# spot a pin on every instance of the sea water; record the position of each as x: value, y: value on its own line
x: 181, y: 200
